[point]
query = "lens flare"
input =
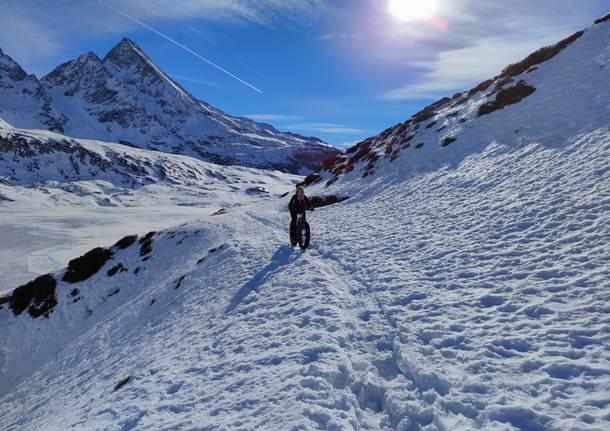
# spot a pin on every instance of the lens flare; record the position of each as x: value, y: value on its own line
x: 412, y: 10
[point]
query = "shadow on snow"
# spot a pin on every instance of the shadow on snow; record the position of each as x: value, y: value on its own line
x: 282, y: 257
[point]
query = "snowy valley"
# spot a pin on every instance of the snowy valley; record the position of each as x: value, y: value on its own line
x: 464, y: 284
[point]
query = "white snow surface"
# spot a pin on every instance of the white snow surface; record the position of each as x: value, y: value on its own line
x: 472, y: 297
x: 60, y: 196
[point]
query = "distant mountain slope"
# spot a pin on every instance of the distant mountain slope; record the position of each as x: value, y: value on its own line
x: 45, y: 168
x: 550, y: 97
x: 23, y: 99
x: 125, y: 97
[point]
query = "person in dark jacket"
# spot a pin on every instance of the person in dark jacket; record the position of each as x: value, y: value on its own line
x: 299, y: 203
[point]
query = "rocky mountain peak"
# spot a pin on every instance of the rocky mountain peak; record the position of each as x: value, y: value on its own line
x: 87, y: 69
x: 126, y: 97
x: 125, y: 53
x: 10, y: 69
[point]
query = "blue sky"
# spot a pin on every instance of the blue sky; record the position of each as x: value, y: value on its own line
x: 340, y: 70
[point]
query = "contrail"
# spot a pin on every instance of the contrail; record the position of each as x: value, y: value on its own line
x: 187, y: 49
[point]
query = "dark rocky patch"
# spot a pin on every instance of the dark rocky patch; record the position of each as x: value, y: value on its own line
x: 122, y: 383
x: 421, y: 144
x: 215, y: 249
x: 448, y: 141
x: 179, y: 282
x: 540, y: 56
x: 125, y: 242
x: 114, y: 292
x: 37, y: 296
x: 507, y: 96
x: 322, y: 201
x: 115, y: 269
x: 481, y: 87
x: 90, y: 263
x: 146, y: 243
x: 431, y: 124
x: 309, y: 179
x: 602, y: 19
x: 74, y: 294
x: 220, y: 212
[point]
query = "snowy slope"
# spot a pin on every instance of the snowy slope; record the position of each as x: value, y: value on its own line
x: 43, y: 168
x: 61, y: 196
x: 442, y: 303
x: 23, y: 100
x: 125, y: 97
x: 570, y: 96
x: 463, y: 287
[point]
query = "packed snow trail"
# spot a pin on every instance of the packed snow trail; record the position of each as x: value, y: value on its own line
x: 474, y: 297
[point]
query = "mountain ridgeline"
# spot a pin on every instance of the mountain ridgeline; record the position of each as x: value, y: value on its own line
x: 550, y: 96
x: 126, y: 98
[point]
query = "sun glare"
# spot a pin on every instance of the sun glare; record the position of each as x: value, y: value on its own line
x: 412, y: 10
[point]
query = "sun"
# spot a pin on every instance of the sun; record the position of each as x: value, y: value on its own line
x: 412, y: 10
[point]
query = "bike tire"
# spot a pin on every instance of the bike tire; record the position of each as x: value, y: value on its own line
x: 304, y: 235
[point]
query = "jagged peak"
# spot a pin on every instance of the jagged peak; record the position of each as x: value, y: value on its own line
x: 128, y: 55
x: 85, y: 64
x: 10, y: 68
x: 87, y: 57
x: 125, y: 53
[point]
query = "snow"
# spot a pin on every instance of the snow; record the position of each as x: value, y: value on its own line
x: 458, y: 288
x: 571, y: 98
x: 38, y: 241
x: 472, y: 297
x: 64, y: 196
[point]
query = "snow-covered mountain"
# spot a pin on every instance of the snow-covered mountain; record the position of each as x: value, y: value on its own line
x: 23, y: 99
x: 464, y: 285
x: 551, y: 97
x: 125, y: 97
x: 40, y: 168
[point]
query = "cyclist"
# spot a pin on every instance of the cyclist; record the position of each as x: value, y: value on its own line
x: 299, y: 203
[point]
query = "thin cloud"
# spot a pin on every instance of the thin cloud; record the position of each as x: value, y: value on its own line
x: 475, y: 41
x: 279, y: 118
x: 334, y: 36
x: 35, y: 33
x: 460, y: 68
x: 331, y: 128
x: 23, y: 39
x: 195, y: 80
